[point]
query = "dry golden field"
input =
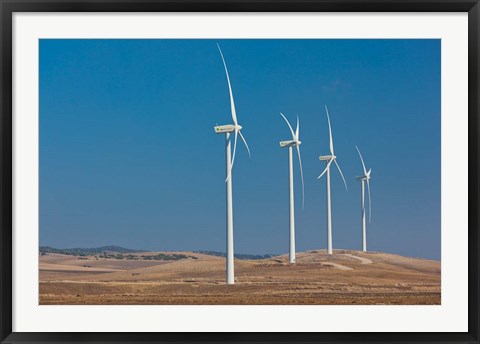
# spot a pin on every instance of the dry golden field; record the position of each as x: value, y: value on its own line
x: 346, y: 277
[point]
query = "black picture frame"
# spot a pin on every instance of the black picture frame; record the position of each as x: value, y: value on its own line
x: 9, y: 7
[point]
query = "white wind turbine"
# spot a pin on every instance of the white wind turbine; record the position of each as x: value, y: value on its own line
x: 227, y: 129
x: 329, y: 159
x: 294, y: 142
x: 365, y: 177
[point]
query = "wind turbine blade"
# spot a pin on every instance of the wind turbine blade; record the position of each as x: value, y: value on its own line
x: 330, y: 130
x: 297, y: 132
x: 228, y: 175
x: 339, y: 170
x: 232, y: 103
x: 244, y: 141
x: 325, y: 170
x: 369, y: 201
x: 301, y: 173
x: 291, y: 130
x: 234, y: 148
x: 363, y: 164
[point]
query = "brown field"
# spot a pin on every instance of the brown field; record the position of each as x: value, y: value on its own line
x: 346, y: 277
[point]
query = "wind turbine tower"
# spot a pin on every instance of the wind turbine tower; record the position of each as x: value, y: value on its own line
x: 365, y: 178
x: 294, y: 142
x: 329, y: 159
x: 227, y: 130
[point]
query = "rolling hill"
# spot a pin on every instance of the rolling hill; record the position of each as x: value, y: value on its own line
x: 346, y: 277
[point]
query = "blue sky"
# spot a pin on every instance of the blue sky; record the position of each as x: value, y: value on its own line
x: 128, y: 155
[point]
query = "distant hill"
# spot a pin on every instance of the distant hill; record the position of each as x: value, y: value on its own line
x: 86, y: 251
x: 238, y: 255
x: 109, y: 251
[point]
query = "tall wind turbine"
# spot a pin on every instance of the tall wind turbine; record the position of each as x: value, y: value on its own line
x: 227, y: 129
x: 294, y: 142
x: 329, y: 159
x: 365, y: 177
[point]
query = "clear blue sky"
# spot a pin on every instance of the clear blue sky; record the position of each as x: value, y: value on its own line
x: 128, y: 155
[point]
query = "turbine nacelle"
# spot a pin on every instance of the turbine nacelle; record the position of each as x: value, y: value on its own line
x: 327, y: 157
x: 365, y: 176
x: 290, y: 143
x: 227, y: 128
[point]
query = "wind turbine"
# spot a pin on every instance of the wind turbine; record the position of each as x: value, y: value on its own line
x: 366, y: 177
x: 227, y: 129
x: 294, y: 142
x: 329, y: 159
